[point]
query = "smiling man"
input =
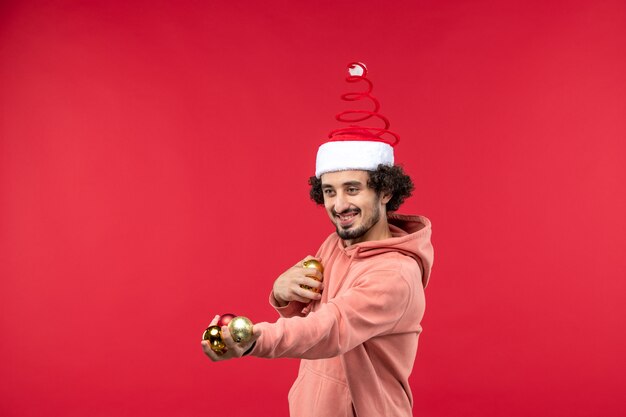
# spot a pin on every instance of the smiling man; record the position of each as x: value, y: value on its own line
x: 354, y: 207
x: 356, y: 332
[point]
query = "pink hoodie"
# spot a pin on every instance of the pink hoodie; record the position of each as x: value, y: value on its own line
x: 358, y: 343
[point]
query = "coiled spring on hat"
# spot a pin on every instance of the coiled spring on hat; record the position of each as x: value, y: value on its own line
x: 357, y: 71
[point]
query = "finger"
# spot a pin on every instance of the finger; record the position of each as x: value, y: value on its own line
x: 306, y: 294
x: 233, y: 347
x: 313, y: 272
x: 215, y: 320
x: 313, y: 283
x: 301, y: 299
x: 256, y: 332
x: 210, y: 352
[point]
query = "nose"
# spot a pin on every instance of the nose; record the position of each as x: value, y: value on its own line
x: 341, y: 203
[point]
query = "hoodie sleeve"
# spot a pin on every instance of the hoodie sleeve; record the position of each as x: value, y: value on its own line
x: 373, y: 306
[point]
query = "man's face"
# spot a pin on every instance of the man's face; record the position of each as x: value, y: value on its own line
x: 354, y: 208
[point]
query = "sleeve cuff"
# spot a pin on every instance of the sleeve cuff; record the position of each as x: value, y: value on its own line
x: 247, y: 352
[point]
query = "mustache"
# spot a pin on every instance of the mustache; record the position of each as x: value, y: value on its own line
x: 347, y: 211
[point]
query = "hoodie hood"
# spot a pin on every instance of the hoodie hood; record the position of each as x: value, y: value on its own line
x: 410, y: 236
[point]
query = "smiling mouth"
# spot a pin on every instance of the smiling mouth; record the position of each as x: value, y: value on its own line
x: 346, y: 219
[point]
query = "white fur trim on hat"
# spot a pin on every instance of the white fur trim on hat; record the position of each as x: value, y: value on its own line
x: 349, y: 155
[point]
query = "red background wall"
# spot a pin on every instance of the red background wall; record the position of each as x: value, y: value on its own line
x: 153, y: 167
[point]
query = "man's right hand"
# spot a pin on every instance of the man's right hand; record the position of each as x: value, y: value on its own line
x: 287, y: 287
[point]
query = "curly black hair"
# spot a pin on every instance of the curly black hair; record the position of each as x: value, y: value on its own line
x: 386, y: 179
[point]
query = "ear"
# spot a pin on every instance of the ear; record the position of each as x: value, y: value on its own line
x: 386, y: 197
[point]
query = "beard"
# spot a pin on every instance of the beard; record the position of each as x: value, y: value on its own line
x: 351, y: 234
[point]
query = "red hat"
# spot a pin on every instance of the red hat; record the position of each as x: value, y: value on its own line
x: 357, y: 147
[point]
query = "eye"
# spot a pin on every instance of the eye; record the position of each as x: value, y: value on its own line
x: 352, y: 190
x: 328, y: 192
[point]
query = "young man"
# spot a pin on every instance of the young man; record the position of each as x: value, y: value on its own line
x: 357, y: 337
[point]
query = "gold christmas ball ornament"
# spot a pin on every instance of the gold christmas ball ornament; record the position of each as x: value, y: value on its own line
x: 240, y: 329
x: 214, y: 335
x: 312, y: 263
x: 205, y: 335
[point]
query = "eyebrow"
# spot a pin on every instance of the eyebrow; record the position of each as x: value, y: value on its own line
x: 345, y: 184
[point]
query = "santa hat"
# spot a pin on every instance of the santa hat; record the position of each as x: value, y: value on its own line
x: 357, y: 147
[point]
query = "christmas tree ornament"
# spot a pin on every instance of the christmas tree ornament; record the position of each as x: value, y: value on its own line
x: 225, y: 319
x: 240, y: 329
x: 312, y: 263
x: 214, y: 335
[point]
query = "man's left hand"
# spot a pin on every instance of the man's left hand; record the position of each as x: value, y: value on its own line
x: 233, y: 349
